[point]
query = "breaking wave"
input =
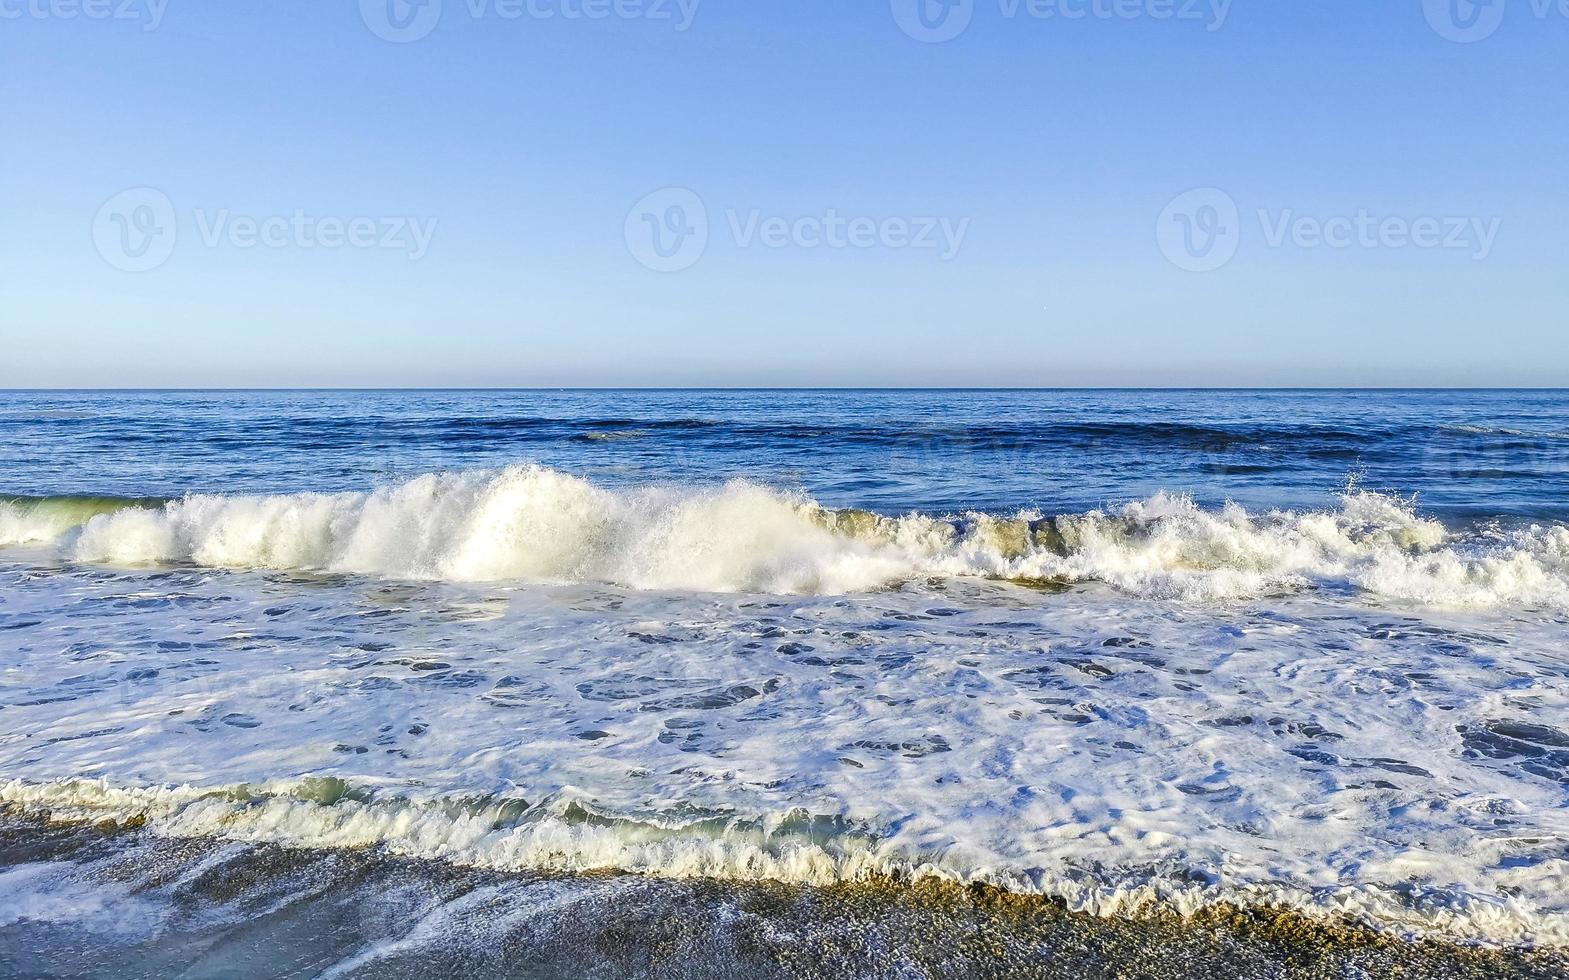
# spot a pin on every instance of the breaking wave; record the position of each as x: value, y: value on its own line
x: 534, y: 524
x: 567, y: 836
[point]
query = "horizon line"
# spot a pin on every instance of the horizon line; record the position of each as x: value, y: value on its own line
x: 109, y: 389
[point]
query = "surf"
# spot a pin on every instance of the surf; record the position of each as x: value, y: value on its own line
x: 532, y: 524
x: 567, y: 835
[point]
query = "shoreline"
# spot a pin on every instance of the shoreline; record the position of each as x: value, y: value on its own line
x: 948, y: 929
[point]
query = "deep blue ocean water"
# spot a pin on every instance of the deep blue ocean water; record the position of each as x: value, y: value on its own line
x: 1468, y: 454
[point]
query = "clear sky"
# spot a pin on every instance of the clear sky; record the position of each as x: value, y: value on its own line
x: 751, y: 192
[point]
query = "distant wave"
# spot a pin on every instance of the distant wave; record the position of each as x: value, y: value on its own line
x: 568, y: 835
x: 1303, y: 440
x: 1493, y: 430
x: 534, y: 524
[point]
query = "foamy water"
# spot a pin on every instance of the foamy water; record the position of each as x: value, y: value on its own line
x: 1108, y: 750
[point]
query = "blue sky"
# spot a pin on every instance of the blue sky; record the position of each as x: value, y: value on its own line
x: 1010, y: 206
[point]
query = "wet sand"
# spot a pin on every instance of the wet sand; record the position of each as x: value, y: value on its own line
x: 118, y: 902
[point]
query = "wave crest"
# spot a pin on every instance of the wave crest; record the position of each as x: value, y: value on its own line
x: 534, y: 524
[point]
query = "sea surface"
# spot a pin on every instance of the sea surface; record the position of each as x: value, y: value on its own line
x: 545, y: 658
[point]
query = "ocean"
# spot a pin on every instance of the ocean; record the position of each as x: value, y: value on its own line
x: 794, y: 683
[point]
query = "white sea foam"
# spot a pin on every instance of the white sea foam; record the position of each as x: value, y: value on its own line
x: 564, y: 837
x: 1405, y: 767
x: 532, y: 524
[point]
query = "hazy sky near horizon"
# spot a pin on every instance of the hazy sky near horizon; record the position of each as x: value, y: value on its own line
x: 742, y: 192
